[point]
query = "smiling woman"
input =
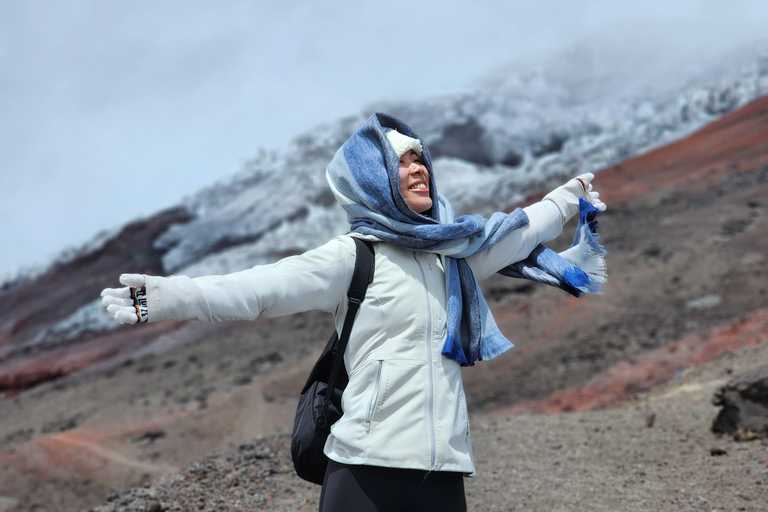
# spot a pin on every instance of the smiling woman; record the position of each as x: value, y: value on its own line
x: 404, y: 424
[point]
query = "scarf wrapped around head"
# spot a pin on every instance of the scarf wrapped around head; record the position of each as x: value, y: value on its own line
x: 364, y: 175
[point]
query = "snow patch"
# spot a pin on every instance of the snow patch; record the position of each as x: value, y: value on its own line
x: 91, y: 317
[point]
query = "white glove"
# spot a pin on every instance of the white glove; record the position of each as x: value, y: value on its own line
x: 128, y: 305
x: 566, y: 197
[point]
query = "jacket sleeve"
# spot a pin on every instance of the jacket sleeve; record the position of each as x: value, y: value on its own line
x: 317, y: 279
x: 544, y: 224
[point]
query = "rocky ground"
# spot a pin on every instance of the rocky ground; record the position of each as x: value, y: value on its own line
x: 686, y: 308
x: 653, y: 452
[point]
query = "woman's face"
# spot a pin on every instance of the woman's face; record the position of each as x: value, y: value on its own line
x: 414, y: 182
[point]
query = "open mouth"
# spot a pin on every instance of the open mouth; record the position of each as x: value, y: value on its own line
x: 419, y: 187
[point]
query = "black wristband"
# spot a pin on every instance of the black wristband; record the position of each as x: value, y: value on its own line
x: 139, y: 296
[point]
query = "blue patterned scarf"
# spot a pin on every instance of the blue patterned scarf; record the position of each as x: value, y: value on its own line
x: 364, y: 175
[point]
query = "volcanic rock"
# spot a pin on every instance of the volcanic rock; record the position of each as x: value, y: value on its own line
x: 744, y: 402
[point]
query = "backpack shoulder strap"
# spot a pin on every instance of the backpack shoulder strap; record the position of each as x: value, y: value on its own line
x: 363, y: 274
x: 361, y: 278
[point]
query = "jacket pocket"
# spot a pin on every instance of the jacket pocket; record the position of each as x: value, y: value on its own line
x: 466, y: 416
x: 374, y: 402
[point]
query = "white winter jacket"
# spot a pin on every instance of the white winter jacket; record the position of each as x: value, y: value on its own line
x: 404, y: 405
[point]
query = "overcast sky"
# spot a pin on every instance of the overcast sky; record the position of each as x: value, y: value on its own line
x: 107, y: 105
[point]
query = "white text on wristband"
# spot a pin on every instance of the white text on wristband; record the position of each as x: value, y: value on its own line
x: 139, y: 296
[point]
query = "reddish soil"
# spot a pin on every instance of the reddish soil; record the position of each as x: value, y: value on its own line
x: 27, y: 372
x: 650, y: 369
x: 736, y: 142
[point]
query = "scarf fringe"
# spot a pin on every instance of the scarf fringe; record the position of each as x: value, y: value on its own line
x: 586, y: 253
x: 589, y: 258
x: 492, y: 348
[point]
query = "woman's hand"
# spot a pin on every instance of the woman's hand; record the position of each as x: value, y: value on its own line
x: 566, y: 197
x: 128, y: 305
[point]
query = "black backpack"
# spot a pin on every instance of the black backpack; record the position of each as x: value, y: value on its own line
x: 318, y: 409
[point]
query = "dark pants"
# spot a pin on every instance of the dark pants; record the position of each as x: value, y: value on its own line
x: 350, y: 488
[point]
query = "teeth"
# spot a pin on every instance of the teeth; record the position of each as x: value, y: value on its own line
x: 418, y: 185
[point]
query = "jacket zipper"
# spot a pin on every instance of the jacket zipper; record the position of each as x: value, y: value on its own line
x: 374, y: 398
x: 429, y: 363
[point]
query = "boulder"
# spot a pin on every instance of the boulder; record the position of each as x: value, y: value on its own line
x: 744, y: 402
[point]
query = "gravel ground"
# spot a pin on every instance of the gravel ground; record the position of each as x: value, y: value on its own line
x: 654, y: 452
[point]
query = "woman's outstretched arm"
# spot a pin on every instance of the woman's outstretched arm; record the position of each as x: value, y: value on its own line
x: 317, y: 279
x: 545, y: 222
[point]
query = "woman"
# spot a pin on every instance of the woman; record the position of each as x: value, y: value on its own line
x: 403, y: 442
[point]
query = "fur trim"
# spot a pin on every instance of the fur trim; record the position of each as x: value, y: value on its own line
x: 402, y: 143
